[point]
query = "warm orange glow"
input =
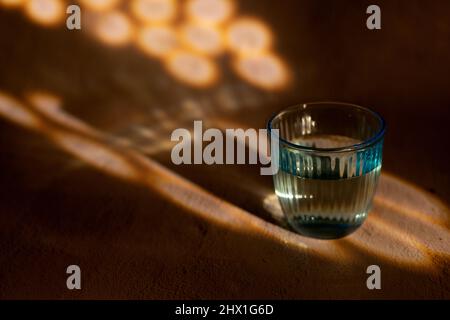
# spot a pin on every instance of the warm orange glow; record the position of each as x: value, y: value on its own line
x: 392, y: 238
x: 265, y: 71
x: 191, y: 68
x: 99, y: 5
x: 85, y: 148
x: 158, y: 41
x: 394, y: 244
x: 93, y: 148
x: 11, y: 3
x: 45, y: 12
x: 421, y: 225
x: 390, y: 232
x: 114, y: 28
x: 204, y: 29
x: 210, y: 11
x: 95, y: 154
x: 154, y: 11
x: 44, y: 101
x: 14, y: 111
x: 330, y: 250
x: 407, y: 212
x: 50, y: 105
x: 202, y: 38
x: 248, y: 36
x: 271, y: 205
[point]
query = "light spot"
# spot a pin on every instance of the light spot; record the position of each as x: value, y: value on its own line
x: 50, y: 105
x: 158, y: 41
x: 393, y: 244
x: 265, y: 71
x: 114, y: 28
x: 11, y: 3
x: 210, y: 11
x: 95, y: 154
x: 202, y: 38
x: 45, y: 12
x: 248, y: 36
x: 16, y: 112
x: 100, y: 5
x: 154, y: 11
x: 44, y: 101
x: 193, y: 69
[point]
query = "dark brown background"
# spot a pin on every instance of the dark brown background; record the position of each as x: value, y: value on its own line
x: 56, y: 212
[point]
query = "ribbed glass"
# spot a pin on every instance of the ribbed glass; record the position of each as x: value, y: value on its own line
x: 330, y: 160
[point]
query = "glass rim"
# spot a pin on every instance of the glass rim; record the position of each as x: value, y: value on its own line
x: 358, y: 146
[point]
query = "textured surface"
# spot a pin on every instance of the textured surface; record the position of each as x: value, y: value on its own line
x: 139, y: 231
x: 140, y: 227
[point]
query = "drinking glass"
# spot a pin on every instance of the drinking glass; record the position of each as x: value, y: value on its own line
x: 329, y: 164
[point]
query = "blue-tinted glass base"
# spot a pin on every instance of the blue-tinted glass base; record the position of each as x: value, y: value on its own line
x: 322, y: 228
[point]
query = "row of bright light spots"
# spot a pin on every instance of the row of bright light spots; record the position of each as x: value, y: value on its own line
x: 293, y: 196
x: 186, y: 49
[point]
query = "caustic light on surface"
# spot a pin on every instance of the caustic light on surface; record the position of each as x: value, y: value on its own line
x: 202, y: 38
x: 266, y: 71
x: 45, y: 12
x: 191, y: 68
x: 114, y: 28
x: 157, y: 41
x: 100, y: 5
x: 210, y: 11
x: 11, y: 3
x: 13, y: 110
x: 96, y: 154
x: 44, y: 101
x: 248, y: 35
x: 154, y: 11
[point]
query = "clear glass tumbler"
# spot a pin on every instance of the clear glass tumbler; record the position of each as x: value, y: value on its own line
x: 329, y: 164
